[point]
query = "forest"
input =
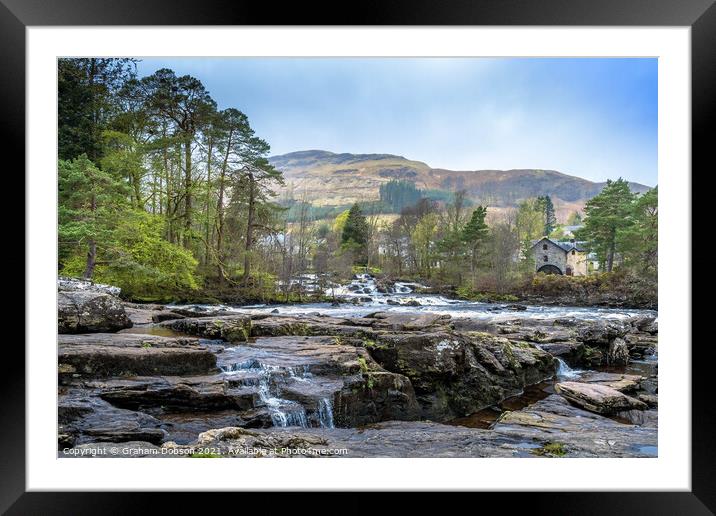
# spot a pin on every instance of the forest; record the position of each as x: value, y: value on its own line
x: 170, y: 197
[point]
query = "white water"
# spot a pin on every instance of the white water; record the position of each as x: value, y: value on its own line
x: 283, y: 412
x: 564, y: 371
x: 363, y: 289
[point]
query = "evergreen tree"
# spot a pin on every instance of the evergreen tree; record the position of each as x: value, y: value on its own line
x: 607, y: 216
x: 550, y: 220
x: 87, y: 102
x: 640, y: 241
x: 474, y: 234
x: 355, y: 229
x: 90, y: 203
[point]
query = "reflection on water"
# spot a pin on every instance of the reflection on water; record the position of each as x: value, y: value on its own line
x: 487, y: 417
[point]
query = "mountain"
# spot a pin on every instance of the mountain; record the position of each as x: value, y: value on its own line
x: 326, y: 178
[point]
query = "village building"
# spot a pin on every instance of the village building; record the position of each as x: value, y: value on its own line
x: 568, y: 258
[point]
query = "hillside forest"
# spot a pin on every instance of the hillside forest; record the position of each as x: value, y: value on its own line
x: 171, y: 197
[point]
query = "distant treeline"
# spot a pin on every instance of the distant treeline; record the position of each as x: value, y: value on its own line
x: 395, y: 196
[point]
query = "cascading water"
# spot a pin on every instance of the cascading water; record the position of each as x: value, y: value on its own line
x: 266, y: 379
x: 564, y: 371
x: 325, y: 413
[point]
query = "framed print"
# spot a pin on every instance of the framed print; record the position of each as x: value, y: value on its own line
x: 429, y: 249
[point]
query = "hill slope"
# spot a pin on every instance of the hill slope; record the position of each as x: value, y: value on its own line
x: 327, y: 178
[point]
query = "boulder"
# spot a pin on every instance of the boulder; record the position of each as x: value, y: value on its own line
x: 82, y: 417
x: 602, y: 333
x: 456, y: 374
x: 598, y: 398
x: 83, y: 311
x: 618, y: 352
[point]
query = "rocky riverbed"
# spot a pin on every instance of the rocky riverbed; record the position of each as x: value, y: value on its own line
x: 376, y: 374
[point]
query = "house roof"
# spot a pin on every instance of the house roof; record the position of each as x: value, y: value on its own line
x: 565, y: 246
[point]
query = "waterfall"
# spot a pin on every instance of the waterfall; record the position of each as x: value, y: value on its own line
x: 325, y: 413
x: 564, y: 371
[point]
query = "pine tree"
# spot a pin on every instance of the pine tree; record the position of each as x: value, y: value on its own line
x: 90, y: 201
x: 355, y: 229
x: 607, y: 217
x: 547, y: 207
x: 474, y: 235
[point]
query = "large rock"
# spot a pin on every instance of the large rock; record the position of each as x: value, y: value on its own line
x: 549, y: 428
x: 457, y: 374
x: 618, y: 352
x: 83, y: 417
x: 226, y: 327
x: 321, y: 374
x: 126, y: 354
x: 88, y: 311
x: 598, y: 398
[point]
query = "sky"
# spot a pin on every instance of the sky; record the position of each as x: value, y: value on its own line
x: 595, y: 118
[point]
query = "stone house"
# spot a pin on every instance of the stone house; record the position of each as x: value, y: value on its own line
x: 553, y: 257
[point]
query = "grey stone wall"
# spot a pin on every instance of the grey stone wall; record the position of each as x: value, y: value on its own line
x: 555, y: 255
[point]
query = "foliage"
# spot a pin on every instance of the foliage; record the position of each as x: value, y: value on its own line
x: 140, y: 261
x: 608, y: 216
x: 397, y: 194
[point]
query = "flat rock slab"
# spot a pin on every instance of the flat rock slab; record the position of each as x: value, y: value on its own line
x: 598, y: 398
x: 551, y: 427
x: 409, y: 322
x: 620, y: 382
x: 103, y: 355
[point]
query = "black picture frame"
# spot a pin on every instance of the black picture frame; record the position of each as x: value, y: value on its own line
x: 700, y: 15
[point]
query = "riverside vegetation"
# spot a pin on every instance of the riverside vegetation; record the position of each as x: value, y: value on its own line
x: 402, y: 330
x: 168, y: 197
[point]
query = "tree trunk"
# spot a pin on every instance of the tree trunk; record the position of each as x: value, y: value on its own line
x: 91, y: 260
x: 206, y: 204
x: 187, y: 192
x: 220, y: 214
x: 610, y: 254
x: 249, y: 230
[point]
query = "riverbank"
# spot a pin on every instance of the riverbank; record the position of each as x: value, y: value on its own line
x: 411, y: 381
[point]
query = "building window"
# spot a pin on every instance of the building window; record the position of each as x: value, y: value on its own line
x: 574, y: 252
x: 544, y: 247
x: 546, y: 258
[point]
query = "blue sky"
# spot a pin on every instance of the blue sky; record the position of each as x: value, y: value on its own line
x: 590, y: 117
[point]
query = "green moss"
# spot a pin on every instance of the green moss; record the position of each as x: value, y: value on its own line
x: 551, y: 450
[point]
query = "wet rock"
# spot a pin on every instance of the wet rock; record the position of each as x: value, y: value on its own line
x: 176, y: 394
x: 618, y: 381
x: 409, y: 322
x: 277, y: 326
x: 602, y: 333
x: 458, y: 374
x: 166, y: 316
x: 651, y: 400
x: 572, y: 351
x: 548, y: 424
x: 373, y: 397
x: 87, y: 311
x: 102, y: 355
x: 598, y: 398
x: 618, y: 353
x: 86, y: 418
x: 226, y: 327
